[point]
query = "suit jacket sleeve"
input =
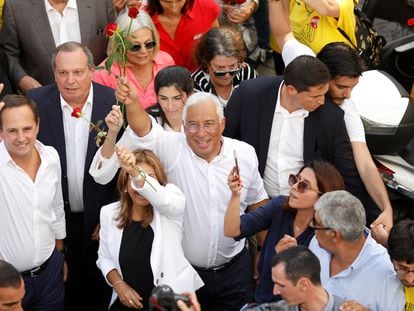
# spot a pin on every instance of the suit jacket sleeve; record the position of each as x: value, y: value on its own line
x: 10, y: 42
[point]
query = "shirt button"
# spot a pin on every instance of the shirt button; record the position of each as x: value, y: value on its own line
x: 162, y: 274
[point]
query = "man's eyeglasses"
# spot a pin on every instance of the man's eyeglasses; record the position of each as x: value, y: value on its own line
x: 195, y: 127
x: 303, y: 185
x: 402, y: 270
x: 314, y: 224
x: 223, y: 73
x: 148, y: 46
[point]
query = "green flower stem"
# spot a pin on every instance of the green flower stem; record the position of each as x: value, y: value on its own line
x: 104, y: 134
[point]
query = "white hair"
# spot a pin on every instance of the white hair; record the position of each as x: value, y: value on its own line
x: 200, y: 98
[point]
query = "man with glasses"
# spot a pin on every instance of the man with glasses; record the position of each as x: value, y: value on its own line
x: 401, y: 250
x: 353, y: 266
x: 198, y: 161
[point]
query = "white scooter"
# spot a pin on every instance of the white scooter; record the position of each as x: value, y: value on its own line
x: 388, y: 116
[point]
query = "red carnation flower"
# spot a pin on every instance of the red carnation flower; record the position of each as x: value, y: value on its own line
x: 240, y: 1
x: 77, y: 112
x: 111, y: 28
x: 133, y: 12
x: 227, y: 1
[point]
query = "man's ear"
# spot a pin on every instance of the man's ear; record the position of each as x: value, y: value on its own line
x: 223, y: 124
x: 291, y: 90
x: 303, y: 284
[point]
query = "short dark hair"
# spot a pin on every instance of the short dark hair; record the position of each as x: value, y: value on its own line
x: 305, y: 72
x: 341, y: 60
x: 9, y: 276
x: 14, y: 101
x: 154, y: 6
x: 401, y: 241
x: 219, y: 41
x: 299, y: 262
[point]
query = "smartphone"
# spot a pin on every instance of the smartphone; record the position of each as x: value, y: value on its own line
x: 236, y: 163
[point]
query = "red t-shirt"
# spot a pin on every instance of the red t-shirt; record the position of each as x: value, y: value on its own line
x: 192, y: 26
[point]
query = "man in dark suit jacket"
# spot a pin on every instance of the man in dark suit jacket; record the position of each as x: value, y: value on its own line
x: 251, y: 109
x: 73, y: 65
x: 27, y: 38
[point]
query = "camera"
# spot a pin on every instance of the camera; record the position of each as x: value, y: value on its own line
x: 163, y: 298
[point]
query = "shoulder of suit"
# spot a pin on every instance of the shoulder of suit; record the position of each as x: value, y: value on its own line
x: 261, y: 82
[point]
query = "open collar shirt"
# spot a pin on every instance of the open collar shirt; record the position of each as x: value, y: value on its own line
x: 32, y: 215
x: 76, y: 143
x: 65, y: 27
x: 285, y: 155
x: 370, y: 279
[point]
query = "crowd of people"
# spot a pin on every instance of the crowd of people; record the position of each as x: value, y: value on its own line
x: 181, y: 167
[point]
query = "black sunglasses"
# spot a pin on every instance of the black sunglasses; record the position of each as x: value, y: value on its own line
x: 313, y: 224
x: 303, y: 185
x: 148, y: 46
x: 223, y: 73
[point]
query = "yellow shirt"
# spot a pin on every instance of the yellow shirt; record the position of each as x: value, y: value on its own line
x: 316, y: 30
x: 1, y: 12
x: 409, y: 298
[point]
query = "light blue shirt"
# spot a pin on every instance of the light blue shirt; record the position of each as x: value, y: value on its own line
x: 369, y: 280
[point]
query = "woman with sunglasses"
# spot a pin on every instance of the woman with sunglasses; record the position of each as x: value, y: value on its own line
x: 220, y: 55
x: 144, y: 58
x: 287, y: 219
x: 173, y: 85
x: 140, y: 237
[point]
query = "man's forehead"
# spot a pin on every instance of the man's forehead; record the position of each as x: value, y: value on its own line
x: 205, y: 110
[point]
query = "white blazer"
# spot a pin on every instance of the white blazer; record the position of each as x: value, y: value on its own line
x: 168, y: 264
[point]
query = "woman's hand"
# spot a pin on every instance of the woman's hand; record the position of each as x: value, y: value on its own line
x: 128, y: 296
x: 114, y: 120
x: 234, y: 182
x: 285, y: 242
x: 126, y: 160
x: 126, y: 92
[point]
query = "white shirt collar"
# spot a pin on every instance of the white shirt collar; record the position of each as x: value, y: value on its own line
x: 71, y: 4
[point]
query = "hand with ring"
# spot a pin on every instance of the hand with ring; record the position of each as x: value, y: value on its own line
x: 128, y: 296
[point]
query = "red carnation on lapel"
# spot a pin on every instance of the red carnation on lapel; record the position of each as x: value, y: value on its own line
x: 77, y: 112
x: 133, y: 12
x: 111, y: 28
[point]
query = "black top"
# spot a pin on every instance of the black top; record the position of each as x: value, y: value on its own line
x: 134, y: 259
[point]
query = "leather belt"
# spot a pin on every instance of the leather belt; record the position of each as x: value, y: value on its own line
x: 223, y: 266
x: 35, y: 271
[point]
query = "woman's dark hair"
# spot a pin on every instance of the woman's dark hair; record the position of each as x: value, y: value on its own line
x: 154, y: 6
x: 327, y: 178
x: 176, y: 76
x: 125, y: 213
x: 221, y: 41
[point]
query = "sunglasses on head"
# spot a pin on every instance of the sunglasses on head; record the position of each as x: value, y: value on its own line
x: 223, y: 73
x: 303, y: 185
x: 148, y: 46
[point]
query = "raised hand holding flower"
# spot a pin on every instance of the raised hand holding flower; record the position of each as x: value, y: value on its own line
x: 77, y: 113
